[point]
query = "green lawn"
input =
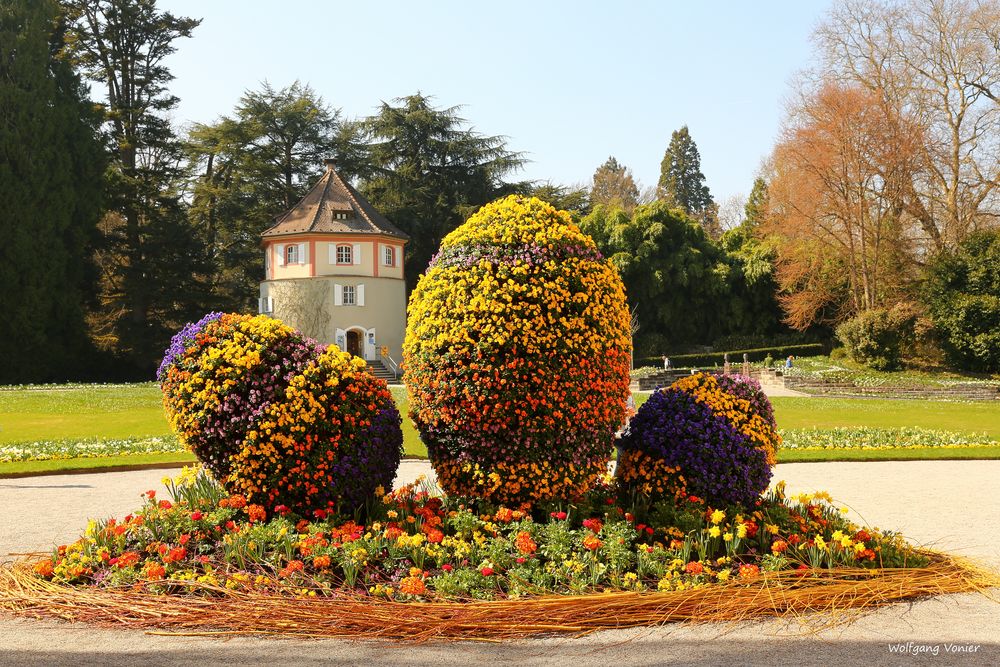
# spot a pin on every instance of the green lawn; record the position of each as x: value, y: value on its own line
x: 80, y: 411
x: 121, y: 411
x: 974, y: 417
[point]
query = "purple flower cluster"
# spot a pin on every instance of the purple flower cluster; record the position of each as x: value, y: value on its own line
x: 181, y: 341
x: 532, y: 255
x: 718, y: 463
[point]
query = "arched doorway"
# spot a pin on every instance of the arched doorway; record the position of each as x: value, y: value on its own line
x: 354, y: 342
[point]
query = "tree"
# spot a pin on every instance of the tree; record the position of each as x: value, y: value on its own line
x: 250, y: 167
x: 614, y: 187
x: 51, y: 166
x: 428, y: 173
x: 674, y: 276
x: 575, y: 199
x: 681, y: 182
x: 962, y: 292
x: 937, y: 62
x: 123, y: 45
x: 836, y: 212
x: 755, y: 209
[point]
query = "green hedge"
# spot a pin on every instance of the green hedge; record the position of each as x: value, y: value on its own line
x: 710, y: 359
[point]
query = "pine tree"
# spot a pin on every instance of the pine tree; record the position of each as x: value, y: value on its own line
x: 614, y: 187
x: 51, y: 164
x: 428, y: 173
x: 681, y: 182
x: 123, y: 45
x: 248, y: 168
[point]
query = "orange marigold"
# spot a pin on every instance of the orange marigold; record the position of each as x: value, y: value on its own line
x: 524, y: 543
x: 321, y: 562
x: 412, y: 586
x: 592, y: 542
x: 44, y: 568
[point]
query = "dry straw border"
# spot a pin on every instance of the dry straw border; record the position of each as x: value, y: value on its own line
x: 839, y: 594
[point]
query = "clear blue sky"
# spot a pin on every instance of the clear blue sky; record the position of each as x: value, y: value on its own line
x: 569, y: 83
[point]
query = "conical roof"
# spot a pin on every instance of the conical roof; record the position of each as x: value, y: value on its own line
x: 332, y: 206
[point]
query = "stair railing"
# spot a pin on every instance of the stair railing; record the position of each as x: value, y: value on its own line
x: 389, y: 361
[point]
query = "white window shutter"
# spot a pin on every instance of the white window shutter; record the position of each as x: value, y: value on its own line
x: 270, y: 304
x: 338, y: 295
x: 260, y: 305
x: 280, y: 248
x: 303, y: 253
x: 333, y: 252
x: 356, y: 252
x: 361, y: 295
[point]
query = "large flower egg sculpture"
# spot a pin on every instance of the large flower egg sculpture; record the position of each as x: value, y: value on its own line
x: 517, y: 356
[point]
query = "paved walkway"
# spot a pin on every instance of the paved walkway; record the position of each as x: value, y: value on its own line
x: 952, y: 505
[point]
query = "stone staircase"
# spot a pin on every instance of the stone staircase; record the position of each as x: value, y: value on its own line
x: 379, y: 370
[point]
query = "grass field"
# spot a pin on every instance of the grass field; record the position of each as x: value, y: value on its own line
x: 122, y: 411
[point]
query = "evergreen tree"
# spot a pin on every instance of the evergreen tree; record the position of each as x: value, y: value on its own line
x: 755, y: 211
x: 51, y: 164
x: 681, y: 182
x: 614, y: 187
x: 428, y: 173
x: 248, y: 168
x: 574, y: 199
x: 123, y: 45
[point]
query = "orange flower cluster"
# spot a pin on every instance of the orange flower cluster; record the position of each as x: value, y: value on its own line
x: 517, y: 356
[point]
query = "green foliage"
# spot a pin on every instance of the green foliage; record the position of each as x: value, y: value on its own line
x: 875, y: 338
x: 427, y: 173
x: 681, y: 182
x: 575, y: 200
x: 246, y: 168
x: 613, y: 186
x: 962, y: 293
x: 684, y: 287
x: 151, y: 262
x: 51, y: 162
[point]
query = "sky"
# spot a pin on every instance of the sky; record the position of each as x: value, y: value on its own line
x: 568, y: 82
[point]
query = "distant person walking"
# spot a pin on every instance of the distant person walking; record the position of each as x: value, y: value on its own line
x: 666, y: 363
x: 788, y: 361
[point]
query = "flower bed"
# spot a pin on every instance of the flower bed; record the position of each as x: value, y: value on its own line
x: 861, y: 437
x: 73, y: 448
x: 199, y: 558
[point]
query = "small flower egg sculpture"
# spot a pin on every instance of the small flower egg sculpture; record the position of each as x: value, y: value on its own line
x: 517, y: 356
x: 278, y: 418
x: 710, y: 437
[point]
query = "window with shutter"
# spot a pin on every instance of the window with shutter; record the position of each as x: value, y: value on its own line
x: 345, y: 254
x: 349, y: 295
x: 291, y: 254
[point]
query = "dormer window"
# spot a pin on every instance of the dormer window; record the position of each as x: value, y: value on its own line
x: 341, y: 215
x: 291, y: 254
x: 345, y: 254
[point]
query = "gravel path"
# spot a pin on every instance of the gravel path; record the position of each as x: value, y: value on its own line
x: 951, y: 505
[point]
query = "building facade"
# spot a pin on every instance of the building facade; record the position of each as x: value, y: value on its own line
x: 334, y: 270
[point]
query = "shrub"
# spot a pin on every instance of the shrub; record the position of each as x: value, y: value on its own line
x: 876, y: 338
x: 517, y: 356
x: 695, y: 437
x: 276, y: 418
x: 963, y: 295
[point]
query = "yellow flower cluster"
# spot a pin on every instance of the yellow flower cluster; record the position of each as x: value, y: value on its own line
x: 517, y: 355
x: 737, y: 411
